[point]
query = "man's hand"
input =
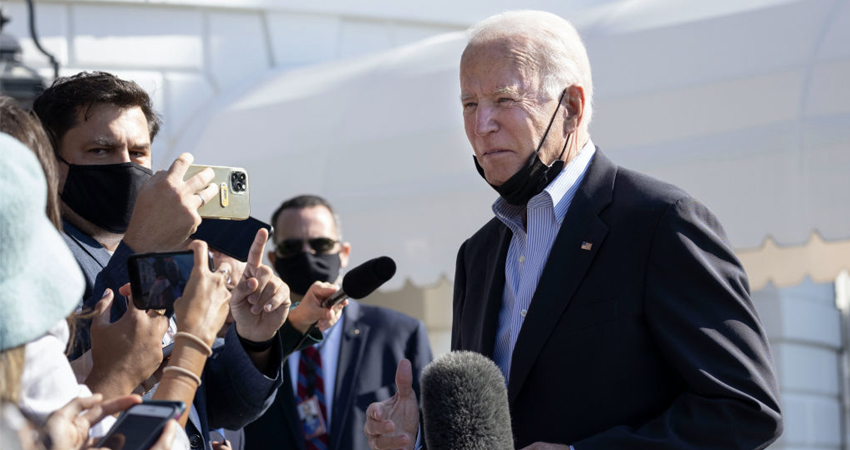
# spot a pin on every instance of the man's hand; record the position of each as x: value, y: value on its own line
x: 166, y: 210
x: 260, y: 301
x: 310, y: 310
x: 392, y: 424
x: 124, y: 353
x: 202, y: 309
x: 68, y: 427
x: 545, y: 446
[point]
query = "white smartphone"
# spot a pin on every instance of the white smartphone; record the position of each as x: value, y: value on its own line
x: 140, y: 426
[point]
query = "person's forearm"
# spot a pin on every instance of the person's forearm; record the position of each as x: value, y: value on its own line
x: 176, y: 385
x: 111, y: 383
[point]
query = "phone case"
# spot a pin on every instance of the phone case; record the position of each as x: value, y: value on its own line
x: 127, y: 435
x: 233, y: 198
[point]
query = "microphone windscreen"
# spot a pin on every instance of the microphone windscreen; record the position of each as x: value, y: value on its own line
x: 365, y: 278
x: 465, y: 404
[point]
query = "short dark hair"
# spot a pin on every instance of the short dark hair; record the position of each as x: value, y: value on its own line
x: 58, y: 105
x: 26, y: 128
x: 308, y: 201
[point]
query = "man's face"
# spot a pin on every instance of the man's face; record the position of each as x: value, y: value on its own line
x: 305, y: 224
x: 110, y: 135
x: 504, y: 112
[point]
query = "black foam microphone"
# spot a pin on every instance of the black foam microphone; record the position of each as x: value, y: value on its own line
x: 465, y: 404
x: 363, y: 280
x: 358, y: 283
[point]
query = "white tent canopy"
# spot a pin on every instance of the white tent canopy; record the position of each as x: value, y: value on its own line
x: 746, y: 107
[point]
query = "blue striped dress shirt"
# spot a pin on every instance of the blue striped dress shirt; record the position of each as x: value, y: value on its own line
x: 529, y: 249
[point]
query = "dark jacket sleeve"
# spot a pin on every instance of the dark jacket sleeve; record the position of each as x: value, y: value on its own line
x: 458, y: 297
x: 238, y: 393
x: 699, y: 313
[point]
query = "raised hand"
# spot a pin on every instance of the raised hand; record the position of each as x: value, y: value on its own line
x: 310, y: 310
x: 202, y: 309
x: 260, y: 301
x: 68, y: 427
x: 126, y: 352
x: 393, y: 423
x: 166, y: 210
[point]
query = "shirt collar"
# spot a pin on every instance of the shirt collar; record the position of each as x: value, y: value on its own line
x: 554, y: 195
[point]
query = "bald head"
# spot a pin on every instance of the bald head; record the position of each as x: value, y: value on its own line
x: 552, y: 50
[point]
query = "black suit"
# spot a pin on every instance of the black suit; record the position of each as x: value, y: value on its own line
x: 373, y: 341
x: 648, y: 340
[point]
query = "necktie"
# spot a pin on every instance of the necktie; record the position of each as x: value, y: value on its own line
x: 310, y: 383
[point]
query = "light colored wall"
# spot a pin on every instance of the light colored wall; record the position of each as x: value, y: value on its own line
x: 803, y: 325
x: 188, y: 54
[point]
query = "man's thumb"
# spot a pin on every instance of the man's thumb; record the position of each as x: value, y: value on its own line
x: 404, y: 378
x: 103, y: 307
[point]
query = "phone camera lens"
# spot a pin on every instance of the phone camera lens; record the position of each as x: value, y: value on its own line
x: 241, y: 177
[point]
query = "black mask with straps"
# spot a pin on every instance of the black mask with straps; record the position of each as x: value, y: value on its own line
x: 104, y: 194
x: 535, y: 175
x: 300, y: 271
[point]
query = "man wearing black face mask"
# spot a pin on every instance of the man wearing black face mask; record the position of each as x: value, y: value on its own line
x: 356, y: 362
x: 101, y: 128
x: 611, y: 302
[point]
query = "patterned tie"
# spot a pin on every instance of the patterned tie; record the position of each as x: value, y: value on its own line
x: 310, y: 383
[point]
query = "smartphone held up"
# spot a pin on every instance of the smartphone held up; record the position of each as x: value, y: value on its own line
x: 232, y: 200
x: 140, y: 426
x: 158, y: 279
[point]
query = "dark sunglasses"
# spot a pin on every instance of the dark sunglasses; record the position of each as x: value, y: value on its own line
x: 292, y: 247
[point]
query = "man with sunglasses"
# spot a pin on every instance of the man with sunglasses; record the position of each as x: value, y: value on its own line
x: 354, y: 365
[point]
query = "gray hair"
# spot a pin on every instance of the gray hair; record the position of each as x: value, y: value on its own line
x: 555, y: 45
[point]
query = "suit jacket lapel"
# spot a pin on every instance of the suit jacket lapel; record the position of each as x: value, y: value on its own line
x: 496, y: 284
x: 351, y: 347
x: 565, y: 269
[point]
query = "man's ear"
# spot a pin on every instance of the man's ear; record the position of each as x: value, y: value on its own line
x: 573, y: 108
x: 271, y: 257
x: 345, y: 249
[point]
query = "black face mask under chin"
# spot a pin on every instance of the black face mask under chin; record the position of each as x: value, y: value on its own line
x: 532, y: 177
x: 104, y: 194
x: 300, y: 271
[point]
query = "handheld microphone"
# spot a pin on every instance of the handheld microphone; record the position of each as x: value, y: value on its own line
x: 363, y: 280
x: 465, y: 404
x: 358, y: 283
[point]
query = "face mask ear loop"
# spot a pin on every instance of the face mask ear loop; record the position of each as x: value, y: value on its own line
x: 561, y: 156
x: 551, y: 121
x: 62, y: 159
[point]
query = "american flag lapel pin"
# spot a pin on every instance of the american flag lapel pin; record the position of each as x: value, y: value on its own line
x: 586, y: 245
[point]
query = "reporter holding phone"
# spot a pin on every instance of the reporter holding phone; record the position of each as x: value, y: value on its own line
x: 113, y: 205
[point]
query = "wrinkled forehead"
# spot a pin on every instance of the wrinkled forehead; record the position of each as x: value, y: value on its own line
x: 499, y: 60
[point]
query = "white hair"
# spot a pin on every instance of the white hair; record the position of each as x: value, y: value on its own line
x: 553, y: 42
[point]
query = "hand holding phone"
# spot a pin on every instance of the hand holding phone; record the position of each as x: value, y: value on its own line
x: 166, y: 209
x: 158, y: 279
x: 231, y: 200
x: 203, y: 308
x: 139, y: 427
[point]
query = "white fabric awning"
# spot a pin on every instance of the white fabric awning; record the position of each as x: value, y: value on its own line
x: 744, y: 104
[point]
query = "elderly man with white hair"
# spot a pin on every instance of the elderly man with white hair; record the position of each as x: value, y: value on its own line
x: 612, y: 302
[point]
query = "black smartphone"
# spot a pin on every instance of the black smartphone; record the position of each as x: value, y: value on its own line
x: 158, y: 279
x: 231, y: 237
x: 140, y: 426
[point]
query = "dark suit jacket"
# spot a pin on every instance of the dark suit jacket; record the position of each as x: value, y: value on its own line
x: 648, y: 340
x: 373, y: 341
x: 238, y: 392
